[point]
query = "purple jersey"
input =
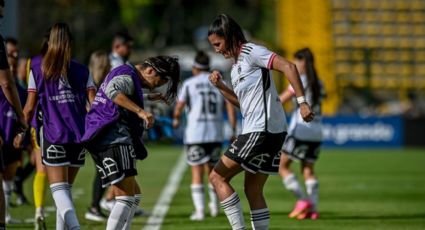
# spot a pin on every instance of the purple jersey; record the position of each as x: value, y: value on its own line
x: 105, y: 112
x: 8, y: 120
x: 63, y: 103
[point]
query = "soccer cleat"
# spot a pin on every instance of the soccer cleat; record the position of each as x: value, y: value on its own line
x: 197, y: 216
x: 314, y: 215
x: 40, y: 223
x: 213, y: 209
x: 302, y: 206
x: 94, y: 214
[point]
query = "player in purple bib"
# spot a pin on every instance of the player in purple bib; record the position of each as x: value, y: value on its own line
x: 62, y: 88
x: 114, y: 129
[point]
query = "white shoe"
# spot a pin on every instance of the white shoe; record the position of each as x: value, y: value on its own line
x: 95, y: 215
x: 213, y: 209
x: 108, y: 205
x: 197, y: 216
x: 40, y: 223
x: 11, y: 220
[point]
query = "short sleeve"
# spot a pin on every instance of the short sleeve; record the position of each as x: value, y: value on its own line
x: 32, y: 87
x: 183, y: 93
x: 262, y: 57
x: 120, y: 84
x: 3, y: 57
x: 90, y: 83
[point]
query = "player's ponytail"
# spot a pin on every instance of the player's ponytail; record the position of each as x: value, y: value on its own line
x: 312, y: 78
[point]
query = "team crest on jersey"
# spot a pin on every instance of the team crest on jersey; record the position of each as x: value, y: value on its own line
x: 63, y: 84
x: 257, y: 161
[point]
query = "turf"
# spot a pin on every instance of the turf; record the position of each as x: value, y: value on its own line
x: 359, y: 189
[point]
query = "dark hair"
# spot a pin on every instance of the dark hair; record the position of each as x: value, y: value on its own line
x: 203, y: 60
x: 122, y: 37
x: 167, y: 68
x: 224, y: 26
x: 11, y: 40
x: 312, y: 78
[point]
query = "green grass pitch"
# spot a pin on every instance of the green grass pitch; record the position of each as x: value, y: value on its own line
x: 359, y: 189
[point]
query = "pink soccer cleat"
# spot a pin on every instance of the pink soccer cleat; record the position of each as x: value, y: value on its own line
x: 314, y: 215
x: 308, y: 215
x: 301, y: 207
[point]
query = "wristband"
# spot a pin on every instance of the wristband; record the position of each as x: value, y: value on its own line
x: 301, y: 100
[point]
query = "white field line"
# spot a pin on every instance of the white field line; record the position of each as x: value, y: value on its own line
x: 161, y: 207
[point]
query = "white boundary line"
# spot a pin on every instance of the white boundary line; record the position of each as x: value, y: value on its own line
x: 163, y: 203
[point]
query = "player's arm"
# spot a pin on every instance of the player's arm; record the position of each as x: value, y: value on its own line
x: 177, y: 113
x: 28, y: 113
x: 291, y: 73
x: 8, y: 86
x: 217, y: 80
x: 91, y: 93
x: 287, y: 94
x: 122, y: 100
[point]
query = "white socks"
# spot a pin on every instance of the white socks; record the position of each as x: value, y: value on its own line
x: 7, y: 189
x: 233, y: 210
x: 212, y: 194
x: 291, y: 183
x: 64, y: 207
x: 120, y: 213
x: 137, y: 198
x: 198, y: 197
x: 312, y: 187
x: 260, y: 219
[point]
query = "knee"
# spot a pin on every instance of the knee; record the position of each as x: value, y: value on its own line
x: 308, y: 173
x: 215, y: 178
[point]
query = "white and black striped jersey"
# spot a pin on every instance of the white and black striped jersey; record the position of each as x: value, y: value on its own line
x: 204, y: 108
x: 298, y: 128
x: 252, y: 82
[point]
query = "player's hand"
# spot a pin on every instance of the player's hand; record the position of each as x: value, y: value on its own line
x: 147, y: 117
x: 176, y: 123
x: 216, y: 79
x: 306, y: 112
x: 158, y: 97
x: 17, y: 141
x: 23, y: 126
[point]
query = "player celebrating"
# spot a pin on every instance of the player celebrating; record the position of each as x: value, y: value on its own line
x: 304, y: 139
x: 204, y: 131
x: 62, y: 87
x: 256, y: 150
x: 114, y: 129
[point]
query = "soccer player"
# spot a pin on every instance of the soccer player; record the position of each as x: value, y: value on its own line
x: 122, y: 45
x: 11, y: 116
x: 62, y: 87
x: 303, y: 140
x: 114, y: 128
x: 99, y: 67
x: 204, y: 131
x: 256, y: 150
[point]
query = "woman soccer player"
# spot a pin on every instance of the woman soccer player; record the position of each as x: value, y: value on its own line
x: 62, y: 87
x: 114, y: 129
x: 304, y: 139
x: 204, y: 131
x: 256, y: 150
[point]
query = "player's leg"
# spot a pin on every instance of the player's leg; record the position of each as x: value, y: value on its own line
x: 39, y: 189
x: 124, y: 196
x: 8, y: 177
x: 253, y: 188
x: 134, y: 208
x: 220, y: 178
x: 213, y: 204
x: 197, y: 192
x: 312, y: 187
x: 2, y: 205
x: 94, y: 212
x: 289, y: 179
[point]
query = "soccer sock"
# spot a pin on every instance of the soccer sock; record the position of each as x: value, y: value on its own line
x: 98, y: 191
x: 62, y: 197
x: 137, y: 198
x: 212, y: 194
x: 120, y: 213
x: 260, y: 219
x: 198, y: 197
x: 39, y: 187
x: 291, y: 183
x: 233, y: 210
x: 7, y: 189
x: 312, y: 187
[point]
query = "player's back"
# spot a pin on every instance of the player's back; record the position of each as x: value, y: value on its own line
x: 204, y: 107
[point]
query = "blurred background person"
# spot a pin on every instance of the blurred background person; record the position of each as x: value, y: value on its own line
x: 304, y: 139
x: 205, y: 107
x: 122, y: 45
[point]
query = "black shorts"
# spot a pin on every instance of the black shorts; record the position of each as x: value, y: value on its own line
x: 257, y: 152
x: 73, y: 155
x: 301, y: 150
x: 198, y: 154
x: 10, y: 155
x: 1, y: 159
x: 114, y: 163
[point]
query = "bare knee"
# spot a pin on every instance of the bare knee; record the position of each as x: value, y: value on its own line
x: 308, y: 171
